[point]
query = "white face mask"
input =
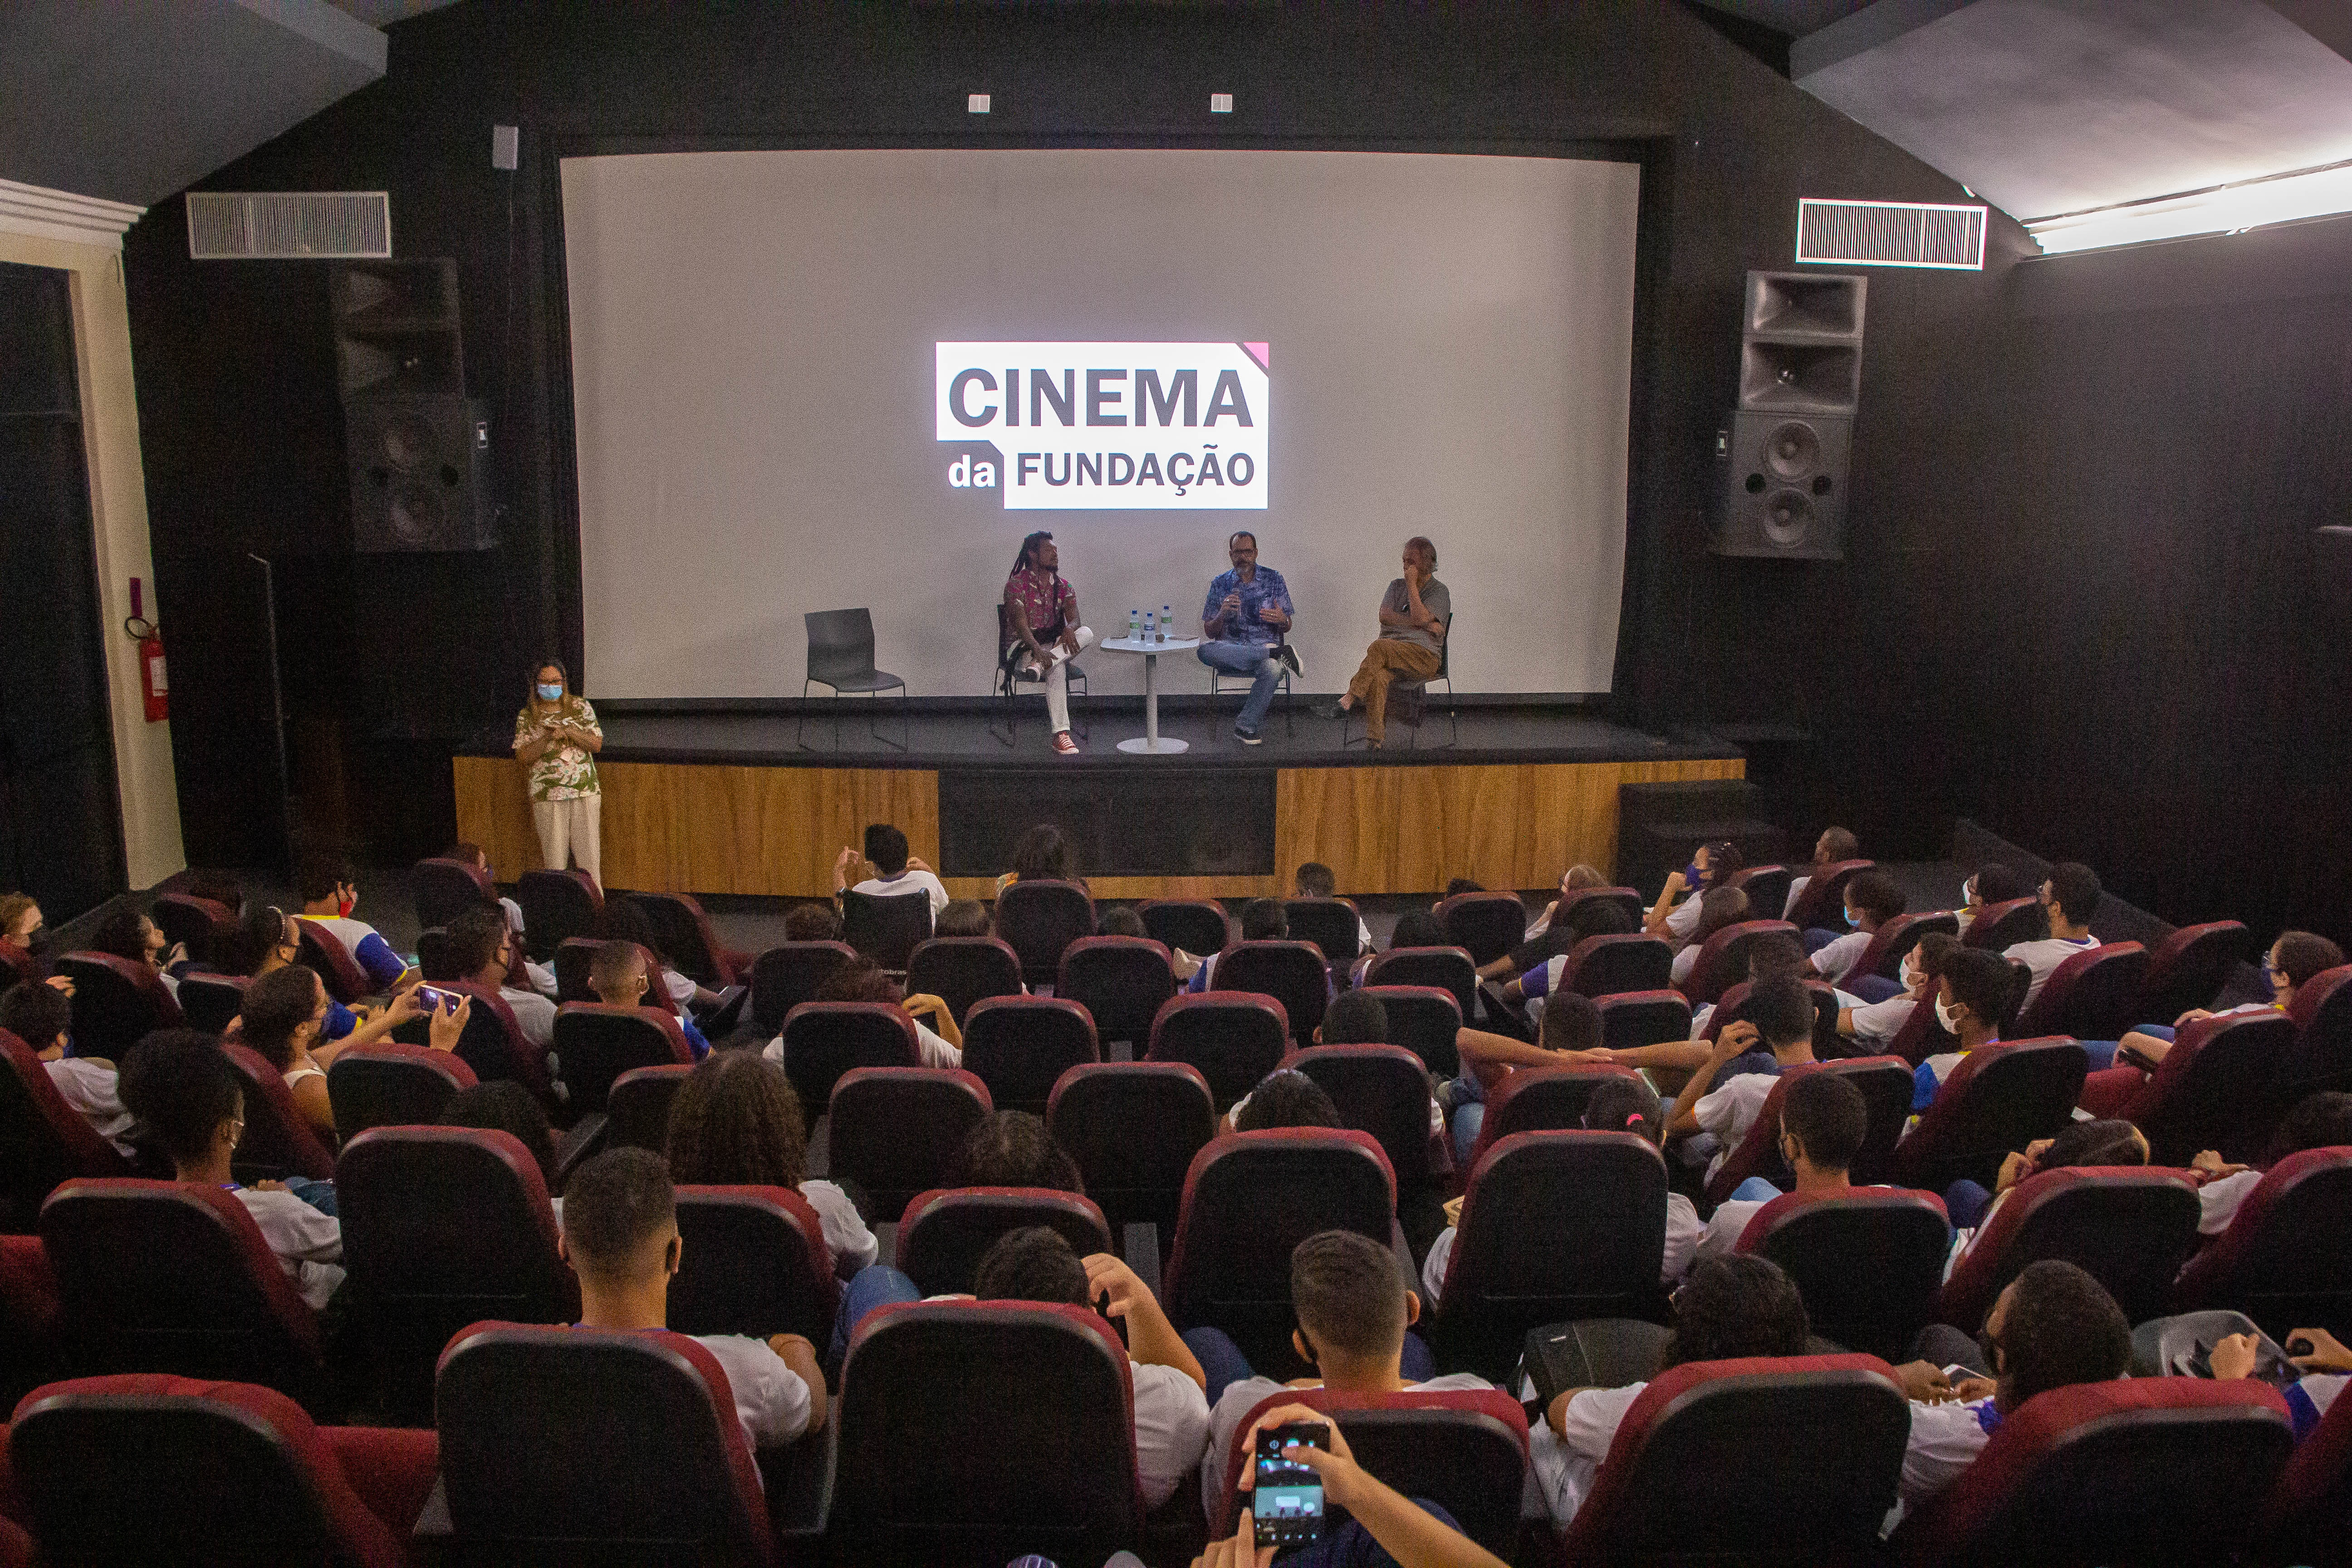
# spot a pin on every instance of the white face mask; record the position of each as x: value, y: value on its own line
x: 1944, y: 1017
x: 1910, y: 978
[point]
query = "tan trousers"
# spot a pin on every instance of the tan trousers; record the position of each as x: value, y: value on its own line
x: 568, y: 830
x: 1387, y: 659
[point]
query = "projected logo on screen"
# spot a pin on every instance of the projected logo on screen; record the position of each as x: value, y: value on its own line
x: 1108, y: 425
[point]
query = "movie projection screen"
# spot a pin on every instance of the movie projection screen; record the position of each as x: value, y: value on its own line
x: 816, y: 380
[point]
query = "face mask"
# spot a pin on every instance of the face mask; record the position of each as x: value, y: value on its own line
x: 1969, y: 891
x: 1910, y: 978
x: 549, y: 693
x: 1851, y: 919
x: 1692, y: 875
x: 1944, y: 1017
x: 344, y: 907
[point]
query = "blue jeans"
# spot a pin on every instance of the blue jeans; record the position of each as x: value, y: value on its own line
x: 1254, y: 660
x: 877, y: 1285
x: 319, y: 1195
x: 1755, y: 1190
x: 2103, y: 1052
x: 1222, y: 1363
x: 1965, y: 1203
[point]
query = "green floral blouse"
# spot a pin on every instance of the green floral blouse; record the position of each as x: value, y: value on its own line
x: 565, y: 771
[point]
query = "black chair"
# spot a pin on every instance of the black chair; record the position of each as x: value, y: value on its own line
x: 1121, y: 981
x: 1133, y: 1128
x: 944, y: 1233
x: 894, y: 1130
x: 445, y: 889
x: 1020, y: 1045
x: 209, y: 1001
x: 1333, y: 925
x: 116, y: 1002
x: 754, y: 1263
x: 390, y: 1085
x: 1217, y: 679
x: 1424, y: 1020
x: 1012, y: 672
x: 841, y: 657
x: 1196, y: 925
x: 556, y: 905
x: 202, y: 926
x: 636, y: 1110
x: 1446, y: 968
x: 1487, y: 926
x: 1041, y: 917
x: 962, y: 970
x: 885, y: 928
x: 1232, y: 1038
x: 789, y: 973
x: 1379, y: 1090
x: 596, y: 1044
x: 1868, y: 1261
x: 823, y: 1040
x: 1407, y: 698
x: 1292, y: 973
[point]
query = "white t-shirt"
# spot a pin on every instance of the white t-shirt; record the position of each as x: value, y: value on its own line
x: 1796, y: 890
x: 1944, y: 1440
x: 1730, y: 1110
x: 1565, y: 1466
x: 906, y: 882
x: 1171, y: 1428
x: 534, y: 1014
x: 1834, y: 961
x: 1682, y: 919
x: 679, y: 986
x: 770, y: 1400
x: 309, y: 1245
x: 1225, y: 1421
x: 930, y: 1051
x: 2218, y: 1200
x: 853, y: 1245
x: 1878, y: 1023
x: 1683, y: 1236
x: 90, y: 1088
x: 1685, y: 962
x: 2043, y: 958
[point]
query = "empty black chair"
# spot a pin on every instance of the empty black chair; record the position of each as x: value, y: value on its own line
x: 596, y: 1044
x: 202, y: 926
x: 1196, y: 925
x: 1133, y: 1129
x: 444, y: 887
x: 1333, y: 925
x: 885, y: 928
x: 1868, y: 1261
x: 391, y: 1084
x: 684, y: 931
x: 961, y: 970
x: 208, y: 1002
x: 841, y: 659
x: 1487, y: 925
x: 943, y: 1235
x: 1122, y: 981
x: 789, y: 973
x: 1292, y: 973
x: 894, y: 1129
x: 1424, y: 1020
x: 1232, y: 1037
x: 1447, y: 968
x: 753, y: 1262
x: 1020, y: 1045
x: 637, y: 1112
x: 823, y: 1040
x: 1038, y: 920
x: 2188, y: 968
x: 558, y: 904
x: 1631, y: 1019
x: 1767, y: 886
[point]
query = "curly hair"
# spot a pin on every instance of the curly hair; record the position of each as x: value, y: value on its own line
x: 736, y: 1122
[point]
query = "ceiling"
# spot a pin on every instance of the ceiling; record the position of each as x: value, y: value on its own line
x: 2047, y: 107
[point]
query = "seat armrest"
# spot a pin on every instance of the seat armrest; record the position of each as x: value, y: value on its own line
x: 799, y: 1481
x: 1506, y: 1016
x: 885, y: 1242
x: 1140, y: 1247
x: 577, y: 1144
x: 395, y: 1471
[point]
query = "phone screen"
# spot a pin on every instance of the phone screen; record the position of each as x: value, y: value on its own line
x: 1287, y: 1502
x: 431, y: 1001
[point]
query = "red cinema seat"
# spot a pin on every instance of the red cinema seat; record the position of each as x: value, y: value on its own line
x: 150, y: 1468
x: 2322, y: 1056
x: 278, y: 1141
x: 2005, y: 925
x: 1463, y: 1449
x: 571, y: 1445
x: 1823, y: 903
x: 2188, y: 968
x: 1446, y: 968
x: 1199, y: 926
x: 1333, y: 925
x: 1539, y: 1099
x: 597, y: 1044
x: 1046, y: 1394
x: 2130, y: 1227
x: 789, y: 973
x: 1488, y: 925
x: 1891, y: 940
x: 1249, y: 1200
x: 2266, y: 1264
x: 958, y: 969
x: 886, y: 927
x: 2094, y: 996
x: 202, y: 926
x: 1630, y: 902
x: 208, y: 1002
x: 1379, y: 1090
x: 2146, y: 1470
x: 43, y: 1141
x: 1722, y: 960
x: 2208, y: 1092
x: 1292, y: 973
x: 1232, y: 1037
x: 443, y: 889
x: 753, y: 1261
x: 1121, y: 981
x: 823, y: 1040
x: 493, y: 1044
x: 1038, y: 920
x: 323, y: 951
x: 575, y: 957
x: 1424, y: 1020
x: 1634, y: 1018
x: 1768, y: 1460
x: 1887, y: 1088
x: 2305, y: 1519
x: 1998, y: 1099
x: 1868, y: 1261
x: 1555, y: 1226
x: 1767, y: 886
x: 1133, y: 1128
x: 556, y: 905
x: 637, y: 1112
x: 393, y: 1086
x: 1617, y: 964
x: 944, y: 1233
x: 685, y: 933
x: 166, y: 1277
x: 894, y: 1129
x: 116, y: 1002
x: 1020, y: 1045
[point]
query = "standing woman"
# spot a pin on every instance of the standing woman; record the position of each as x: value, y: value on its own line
x: 1044, y: 632
x: 557, y: 737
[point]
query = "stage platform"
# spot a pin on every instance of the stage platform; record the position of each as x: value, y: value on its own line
x: 712, y: 799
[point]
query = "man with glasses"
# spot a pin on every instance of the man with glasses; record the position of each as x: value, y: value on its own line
x: 1244, y: 622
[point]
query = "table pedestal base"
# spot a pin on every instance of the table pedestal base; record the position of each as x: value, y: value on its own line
x: 1155, y: 744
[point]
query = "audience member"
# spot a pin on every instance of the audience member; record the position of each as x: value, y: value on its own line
x: 895, y: 870
x: 624, y: 920
x: 1991, y: 883
x: 1411, y: 1533
x: 187, y: 1098
x: 1566, y: 1035
x: 1263, y: 919
x: 1414, y: 614
x: 963, y: 917
x: 1717, y: 908
x: 474, y: 855
x: 617, y: 976
x: 2321, y: 1120
x: 128, y: 934
x: 1872, y: 899
x: 1875, y: 1025
x: 1824, y: 1121
x: 1314, y: 879
x: 1043, y: 853
x: 1354, y: 1018
x: 1780, y: 1020
x: 938, y: 1042
x: 1354, y: 1316
x: 1575, y: 879
x: 2326, y: 1367
x: 1013, y: 1149
x: 328, y: 896
x: 1457, y: 886
x: 1548, y: 952
x: 2071, y: 895
x: 2292, y: 963
x: 1284, y: 1098
x: 1170, y: 1408
x: 283, y: 1018
x: 1834, y: 844
x: 1971, y: 998
x: 265, y: 940
x: 42, y: 1017
x: 1710, y: 864
x: 619, y: 1235
x: 503, y: 1105
x: 2080, y: 1143
x: 1729, y: 1307
x: 736, y: 1122
x: 482, y: 951
x: 1413, y: 928
x: 1119, y: 919
x: 20, y: 928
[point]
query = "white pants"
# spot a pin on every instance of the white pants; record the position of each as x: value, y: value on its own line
x: 568, y: 831
x: 1058, y: 681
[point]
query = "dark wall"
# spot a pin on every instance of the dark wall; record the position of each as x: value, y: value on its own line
x: 1894, y: 675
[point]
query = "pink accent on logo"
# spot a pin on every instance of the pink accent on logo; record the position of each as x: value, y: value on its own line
x: 1263, y: 354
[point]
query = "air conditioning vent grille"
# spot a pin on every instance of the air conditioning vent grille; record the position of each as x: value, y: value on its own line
x: 296, y: 226
x: 1890, y: 234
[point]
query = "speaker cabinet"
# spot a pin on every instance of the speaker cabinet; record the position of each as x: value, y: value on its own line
x: 418, y: 471
x: 1781, y: 485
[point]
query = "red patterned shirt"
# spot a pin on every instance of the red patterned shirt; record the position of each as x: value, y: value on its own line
x: 1043, y: 597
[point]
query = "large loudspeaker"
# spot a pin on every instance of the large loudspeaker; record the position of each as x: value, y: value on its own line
x: 417, y: 447
x: 1781, y: 457
x: 417, y: 474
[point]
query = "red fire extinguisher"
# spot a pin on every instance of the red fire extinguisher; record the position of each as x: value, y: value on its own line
x: 154, y: 687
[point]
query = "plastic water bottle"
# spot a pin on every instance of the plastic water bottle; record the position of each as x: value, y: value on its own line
x: 1167, y: 617
x: 1149, y: 629
x: 1134, y: 624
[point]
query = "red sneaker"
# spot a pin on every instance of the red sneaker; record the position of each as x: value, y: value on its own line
x: 1063, y: 745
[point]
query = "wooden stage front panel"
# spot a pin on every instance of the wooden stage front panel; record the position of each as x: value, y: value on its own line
x: 700, y: 829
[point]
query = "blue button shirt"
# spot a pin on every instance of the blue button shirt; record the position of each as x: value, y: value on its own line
x: 1266, y: 588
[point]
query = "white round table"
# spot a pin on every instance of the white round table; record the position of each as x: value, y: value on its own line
x: 1151, y: 741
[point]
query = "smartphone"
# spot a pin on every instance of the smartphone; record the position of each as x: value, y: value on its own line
x: 1287, y: 1501
x: 431, y: 1001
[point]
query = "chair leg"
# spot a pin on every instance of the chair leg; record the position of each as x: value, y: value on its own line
x: 874, y: 734
x: 1453, y: 716
x: 800, y: 733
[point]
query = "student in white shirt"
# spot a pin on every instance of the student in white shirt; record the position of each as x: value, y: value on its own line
x: 329, y: 897
x: 895, y: 870
x: 1730, y: 1308
x: 1710, y: 864
x: 1781, y: 1020
x: 2292, y: 962
x: 1314, y: 879
x: 938, y: 1042
x: 1872, y: 900
x: 1823, y: 1123
x: 2322, y: 1121
x: 40, y: 1014
x: 1874, y: 1025
x: 1991, y: 883
x: 1834, y: 844
x: 1353, y: 1313
x: 481, y: 950
x: 735, y: 1121
x: 1717, y: 908
x: 619, y: 1235
x: 1568, y: 1035
x: 187, y: 1095
x: 1171, y: 1406
x: 2071, y: 895
x: 1972, y: 995
x: 128, y: 934
x: 2325, y: 1368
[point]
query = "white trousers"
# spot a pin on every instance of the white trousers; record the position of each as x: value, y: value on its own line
x: 567, y: 830
x: 1057, y: 683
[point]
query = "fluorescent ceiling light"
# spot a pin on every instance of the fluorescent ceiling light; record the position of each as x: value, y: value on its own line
x: 2225, y: 209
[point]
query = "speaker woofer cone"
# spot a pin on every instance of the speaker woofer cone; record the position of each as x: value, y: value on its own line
x: 1788, y: 517
x: 1793, y: 450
